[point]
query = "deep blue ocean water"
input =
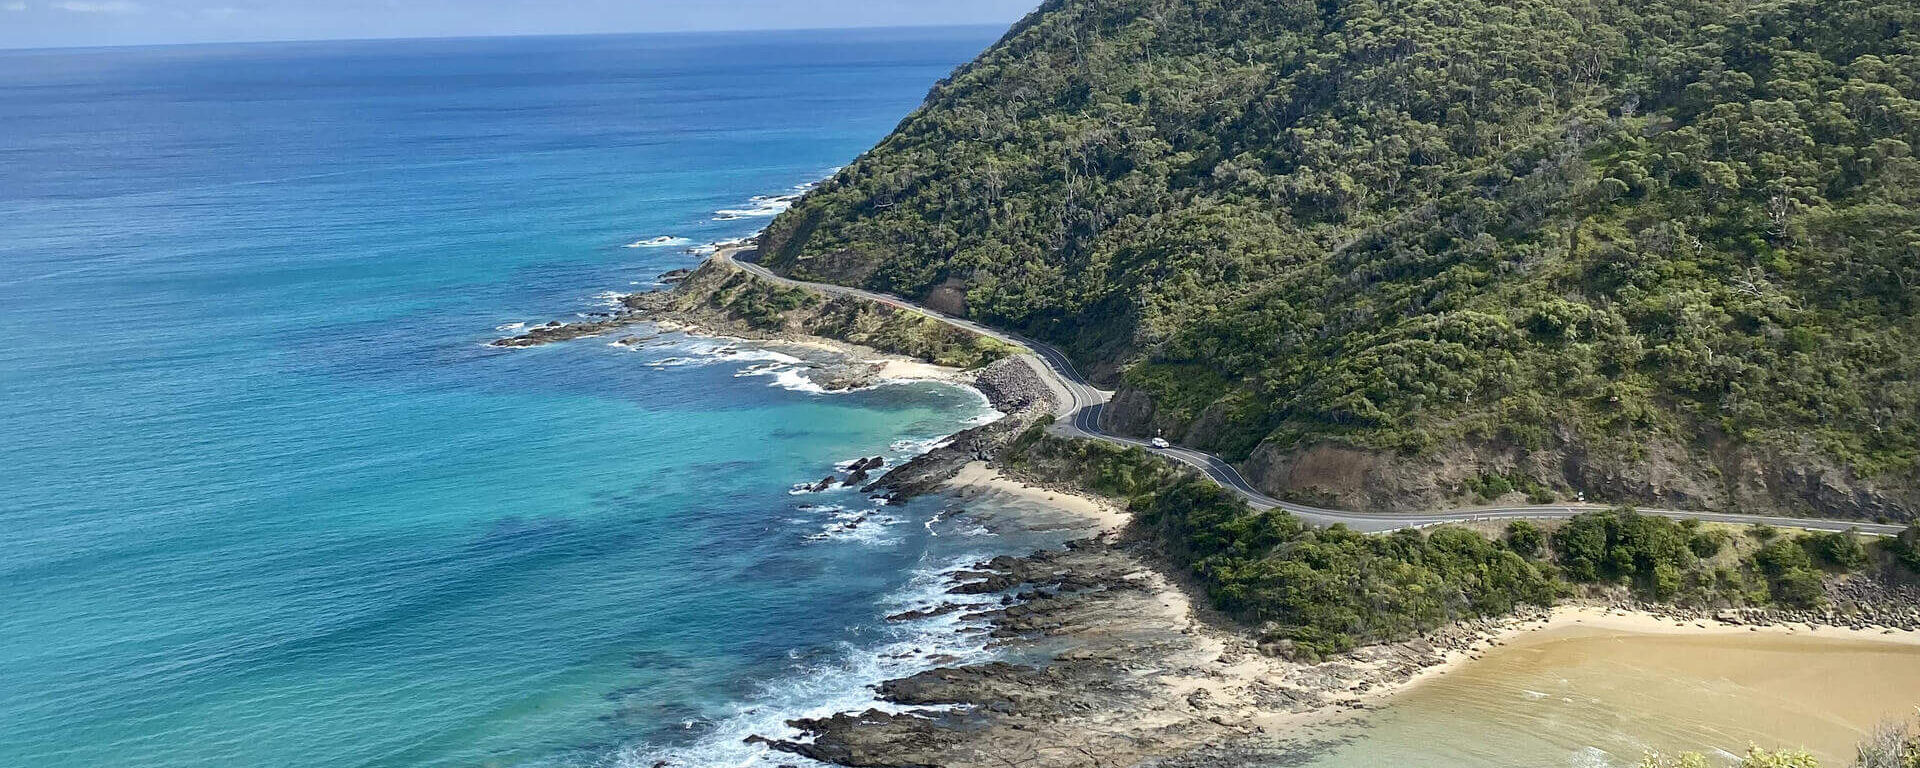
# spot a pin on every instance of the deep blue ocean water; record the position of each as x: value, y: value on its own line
x: 269, y: 500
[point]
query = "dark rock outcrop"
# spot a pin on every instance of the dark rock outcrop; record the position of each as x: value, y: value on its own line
x: 556, y: 331
x: 995, y: 686
x: 872, y: 739
x: 1012, y: 387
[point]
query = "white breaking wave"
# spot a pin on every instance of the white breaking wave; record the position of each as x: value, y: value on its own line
x: 913, y: 447
x: 708, y: 249
x: 786, y: 371
x: 811, y: 185
x: 863, y: 526
x: 842, y: 684
x: 793, y: 380
x: 988, y: 416
x: 663, y: 241
x: 802, y: 489
x: 761, y: 206
x: 756, y: 355
x: 685, y: 350
x: 608, y: 299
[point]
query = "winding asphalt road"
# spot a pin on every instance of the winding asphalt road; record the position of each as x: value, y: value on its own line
x: 1077, y: 414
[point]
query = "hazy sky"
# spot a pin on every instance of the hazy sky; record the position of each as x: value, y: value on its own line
x: 58, y: 23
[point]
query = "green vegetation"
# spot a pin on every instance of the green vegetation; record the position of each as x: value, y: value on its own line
x: 1525, y: 539
x: 1403, y: 225
x: 1791, y: 579
x: 1906, y: 548
x: 736, y: 295
x: 1491, y: 486
x: 1892, y: 745
x: 1668, y: 561
x: 1754, y: 758
x: 1094, y: 466
x: 760, y: 304
x: 1841, y: 551
x: 1650, y: 553
x: 1322, y: 591
x: 901, y: 332
x: 1318, y: 591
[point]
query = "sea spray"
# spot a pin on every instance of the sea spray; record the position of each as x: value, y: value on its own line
x: 844, y: 681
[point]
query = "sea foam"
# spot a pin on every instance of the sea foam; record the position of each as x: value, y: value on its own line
x: 663, y: 241
x: 608, y: 299
x: 843, y: 682
x: 761, y: 206
x: 789, y: 376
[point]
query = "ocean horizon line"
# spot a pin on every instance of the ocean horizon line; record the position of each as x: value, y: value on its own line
x: 695, y: 31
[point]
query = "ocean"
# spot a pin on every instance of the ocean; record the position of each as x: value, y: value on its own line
x: 270, y: 500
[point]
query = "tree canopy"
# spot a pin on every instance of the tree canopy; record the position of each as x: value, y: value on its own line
x: 1394, y: 223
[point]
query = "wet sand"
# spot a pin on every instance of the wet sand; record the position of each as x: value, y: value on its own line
x: 978, y: 481
x: 1582, y: 686
x: 1139, y: 674
x: 1594, y: 689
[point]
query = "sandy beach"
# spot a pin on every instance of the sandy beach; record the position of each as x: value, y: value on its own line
x: 978, y: 481
x: 1615, y: 686
x: 1115, y: 660
x: 1120, y: 664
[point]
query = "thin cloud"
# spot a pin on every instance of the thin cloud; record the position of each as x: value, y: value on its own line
x: 109, y: 6
x: 16, y: 7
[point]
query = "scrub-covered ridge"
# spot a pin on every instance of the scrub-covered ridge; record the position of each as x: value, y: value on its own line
x: 1405, y: 254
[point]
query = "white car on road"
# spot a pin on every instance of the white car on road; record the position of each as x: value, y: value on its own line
x: 1159, y: 443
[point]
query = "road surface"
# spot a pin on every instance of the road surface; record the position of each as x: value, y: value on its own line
x: 1077, y: 414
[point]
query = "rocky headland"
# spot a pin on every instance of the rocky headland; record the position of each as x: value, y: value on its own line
x: 1110, y: 656
x: 1110, y: 662
x: 1014, y: 389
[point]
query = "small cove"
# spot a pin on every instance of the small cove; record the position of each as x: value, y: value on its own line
x: 1603, y: 696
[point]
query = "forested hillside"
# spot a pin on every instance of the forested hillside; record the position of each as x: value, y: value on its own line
x: 1398, y: 254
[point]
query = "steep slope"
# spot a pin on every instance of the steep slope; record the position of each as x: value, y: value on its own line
x: 1394, y: 254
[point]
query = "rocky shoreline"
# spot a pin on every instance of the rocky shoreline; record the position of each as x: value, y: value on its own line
x: 1111, y: 663
x: 1116, y: 667
x: 1120, y: 662
x: 1859, y: 603
x: 863, y: 344
x: 1012, y: 387
x: 1109, y: 657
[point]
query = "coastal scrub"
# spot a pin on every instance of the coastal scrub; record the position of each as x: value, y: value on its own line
x: 726, y: 299
x: 1310, y: 592
x: 1661, y: 252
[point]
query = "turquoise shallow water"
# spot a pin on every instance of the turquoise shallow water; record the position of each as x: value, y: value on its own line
x: 271, y: 501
